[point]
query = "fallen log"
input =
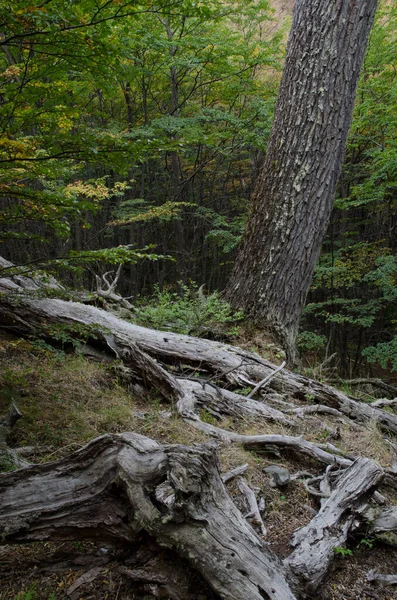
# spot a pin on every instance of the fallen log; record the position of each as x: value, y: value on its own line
x: 107, y: 491
x: 374, y: 577
x: 24, y: 309
x: 314, y: 544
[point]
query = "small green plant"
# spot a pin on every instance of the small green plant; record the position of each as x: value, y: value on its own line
x: 29, y: 594
x: 79, y: 546
x: 343, y: 552
x: 6, y: 463
x: 207, y: 417
x: 156, y: 403
x: 324, y: 434
x: 243, y: 391
x: 368, y: 542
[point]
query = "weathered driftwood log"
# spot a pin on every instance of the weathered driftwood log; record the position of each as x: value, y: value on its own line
x: 380, y: 578
x: 108, y: 490
x: 314, y: 544
x: 234, y: 473
x: 324, y: 453
x: 22, y: 310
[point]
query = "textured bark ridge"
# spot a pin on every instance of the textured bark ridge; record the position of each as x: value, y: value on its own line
x: 295, y: 190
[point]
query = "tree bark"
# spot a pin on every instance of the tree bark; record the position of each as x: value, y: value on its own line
x: 295, y: 190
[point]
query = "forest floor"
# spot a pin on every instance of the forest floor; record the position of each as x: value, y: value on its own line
x: 67, y: 400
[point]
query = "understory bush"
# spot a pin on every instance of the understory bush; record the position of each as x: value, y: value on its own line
x: 188, y: 310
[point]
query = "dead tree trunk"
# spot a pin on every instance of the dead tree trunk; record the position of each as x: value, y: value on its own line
x: 121, y: 485
x: 22, y: 310
x: 296, y: 187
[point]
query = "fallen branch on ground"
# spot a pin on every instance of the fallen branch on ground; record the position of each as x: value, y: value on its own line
x: 314, y: 544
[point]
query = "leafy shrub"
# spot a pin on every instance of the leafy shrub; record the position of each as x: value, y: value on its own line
x: 310, y: 341
x: 384, y: 354
x: 343, y: 552
x: 189, y: 311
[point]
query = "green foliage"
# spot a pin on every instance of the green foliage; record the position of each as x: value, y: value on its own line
x: 188, y: 312
x: 368, y: 542
x: 89, y: 121
x: 361, y: 288
x: 131, y: 211
x: 225, y: 233
x: 342, y: 552
x: 384, y: 353
x: 32, y: 594
x: 6, y: 463
x: 73, y: 335
x: 310, y: 341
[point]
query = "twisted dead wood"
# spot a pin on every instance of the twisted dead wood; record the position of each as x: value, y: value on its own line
x: 108, y: 489
x: 314, y: 544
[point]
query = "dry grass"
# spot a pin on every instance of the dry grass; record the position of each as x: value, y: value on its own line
x: 367, y: 441
x: 67, y: 400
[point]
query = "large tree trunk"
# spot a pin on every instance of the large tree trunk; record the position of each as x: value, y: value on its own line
x: 294, y: 194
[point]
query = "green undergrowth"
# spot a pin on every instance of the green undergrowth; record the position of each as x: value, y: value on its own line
x: 65, y: 400
x: 188, y: 310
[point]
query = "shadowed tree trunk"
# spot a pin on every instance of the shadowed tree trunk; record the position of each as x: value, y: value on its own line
x: 294, y: 194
